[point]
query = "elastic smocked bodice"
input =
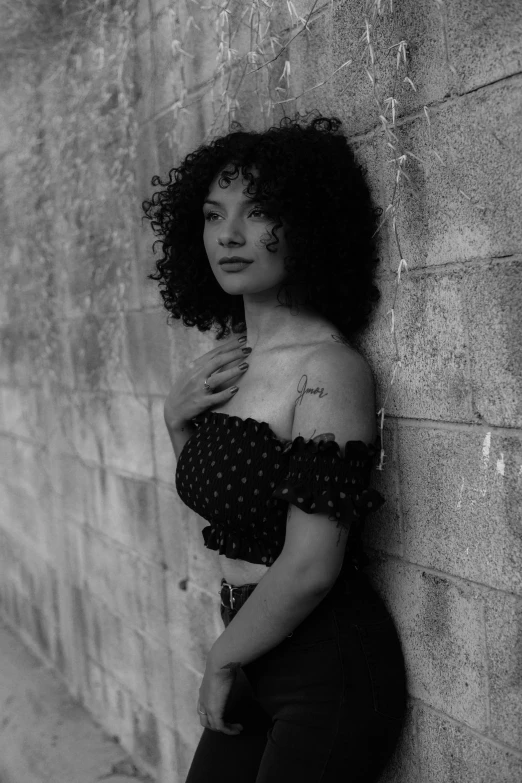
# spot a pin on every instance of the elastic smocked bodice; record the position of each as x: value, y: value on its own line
x: 240, y: 477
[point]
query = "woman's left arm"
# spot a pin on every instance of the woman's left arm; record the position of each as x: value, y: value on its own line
x: 284, y: 597
x: 335, y: 395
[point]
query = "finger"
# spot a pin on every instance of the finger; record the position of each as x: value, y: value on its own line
x: 229, y: 728
x: 227, y: 357
x: 221, y: 350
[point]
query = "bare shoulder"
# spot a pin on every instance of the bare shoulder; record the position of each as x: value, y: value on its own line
x: 339, y: 359
x: 336, y: 393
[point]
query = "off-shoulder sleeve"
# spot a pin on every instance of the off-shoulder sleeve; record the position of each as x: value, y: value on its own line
x: 321, y: 480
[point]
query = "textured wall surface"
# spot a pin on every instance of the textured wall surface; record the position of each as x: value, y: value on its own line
x: 102, y: 568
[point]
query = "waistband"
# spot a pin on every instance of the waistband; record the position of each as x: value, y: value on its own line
x: 234, y: 596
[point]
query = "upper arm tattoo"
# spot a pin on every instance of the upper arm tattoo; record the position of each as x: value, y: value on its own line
x: 302, y: 389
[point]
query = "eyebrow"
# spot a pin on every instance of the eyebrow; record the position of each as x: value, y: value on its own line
x: 219, y: 204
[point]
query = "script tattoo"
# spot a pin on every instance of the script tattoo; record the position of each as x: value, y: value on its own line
x: 301, y: 388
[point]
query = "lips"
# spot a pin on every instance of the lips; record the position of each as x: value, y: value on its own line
x: 234, y: 260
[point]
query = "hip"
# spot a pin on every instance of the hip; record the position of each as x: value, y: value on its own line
x: 348, y: 645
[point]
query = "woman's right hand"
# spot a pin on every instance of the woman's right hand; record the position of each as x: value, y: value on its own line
x: 188, y: 397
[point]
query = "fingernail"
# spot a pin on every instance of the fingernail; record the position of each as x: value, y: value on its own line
x: 242, y: 340
x: 246, y: 350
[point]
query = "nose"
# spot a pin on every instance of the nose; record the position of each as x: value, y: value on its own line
x: 230, y: 234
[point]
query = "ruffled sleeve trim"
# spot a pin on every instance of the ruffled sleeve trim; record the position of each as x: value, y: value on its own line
x: 321, y: 480
x: 233, y: 544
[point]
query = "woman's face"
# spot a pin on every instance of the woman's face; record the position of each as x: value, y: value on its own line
x: 234, y: 226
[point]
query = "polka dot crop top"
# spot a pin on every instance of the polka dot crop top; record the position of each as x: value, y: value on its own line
x: 239, y: 476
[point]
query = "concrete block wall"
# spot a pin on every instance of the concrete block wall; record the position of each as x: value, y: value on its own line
x: 103, y: 569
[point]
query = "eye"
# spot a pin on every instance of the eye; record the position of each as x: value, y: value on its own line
x: 210, y: 215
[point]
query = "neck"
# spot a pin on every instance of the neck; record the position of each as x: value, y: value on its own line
x: 272, y: 325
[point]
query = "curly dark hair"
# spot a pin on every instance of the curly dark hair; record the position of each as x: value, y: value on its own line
x: 307, y: 175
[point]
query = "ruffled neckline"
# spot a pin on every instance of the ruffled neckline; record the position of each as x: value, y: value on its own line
x: 352, y: 448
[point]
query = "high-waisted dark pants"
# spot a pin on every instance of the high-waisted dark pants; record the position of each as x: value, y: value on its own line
x: 326, y: 705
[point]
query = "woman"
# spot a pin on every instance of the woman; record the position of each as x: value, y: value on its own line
x: 307, y: 680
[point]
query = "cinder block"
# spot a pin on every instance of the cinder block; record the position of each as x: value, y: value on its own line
x: 146, y: 739
x: 430, y: 327
x: 94, y: 696
x: 169, y: 129
x: 482, y: 48
x: 38, y: 581
x: 56, y: 417
x: 8, y: 447
x: 461, y: 504
x: 18, y: 412
x: 149, y: 351
x: 383, y: 529
x: 159, y: 6
x: 104, y: 572
x: 89, y: 426
x: 143, y: 76
x: 98, y: 273
x: 16, y: 363
x: 338, y: 36
x: 450, y: 752
x: 169, y: 771
x: 68, y: 550
x: 22, y: 514
x: 186, y: 683
x: 114, y: 430
x: 28, y: 591
x: 303, y: 8
x: 185, y: 750
x: 149, y: 596
x: 466, y: 208
x: 24, y: 467
x: 73, y: 639
x: 441, y: 627
x: 173, y: 521
x: 118, y: 705
x: 74, y: 485
x: 503, y: 624
x: 46, y: 735
x: 142, y: 14
x: 484, y: 41
x: 99, y: 347
x: 494, y: 317
x: 313, y: 57
x: 200, y: 40
x: 158, y: 679
x: 164, y: 456
x: 126, y: 511
x: 131, y: 587
x: 133, y: 372
x: 194, y: 623
x: 117, y: 646
x: 166, y: 81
